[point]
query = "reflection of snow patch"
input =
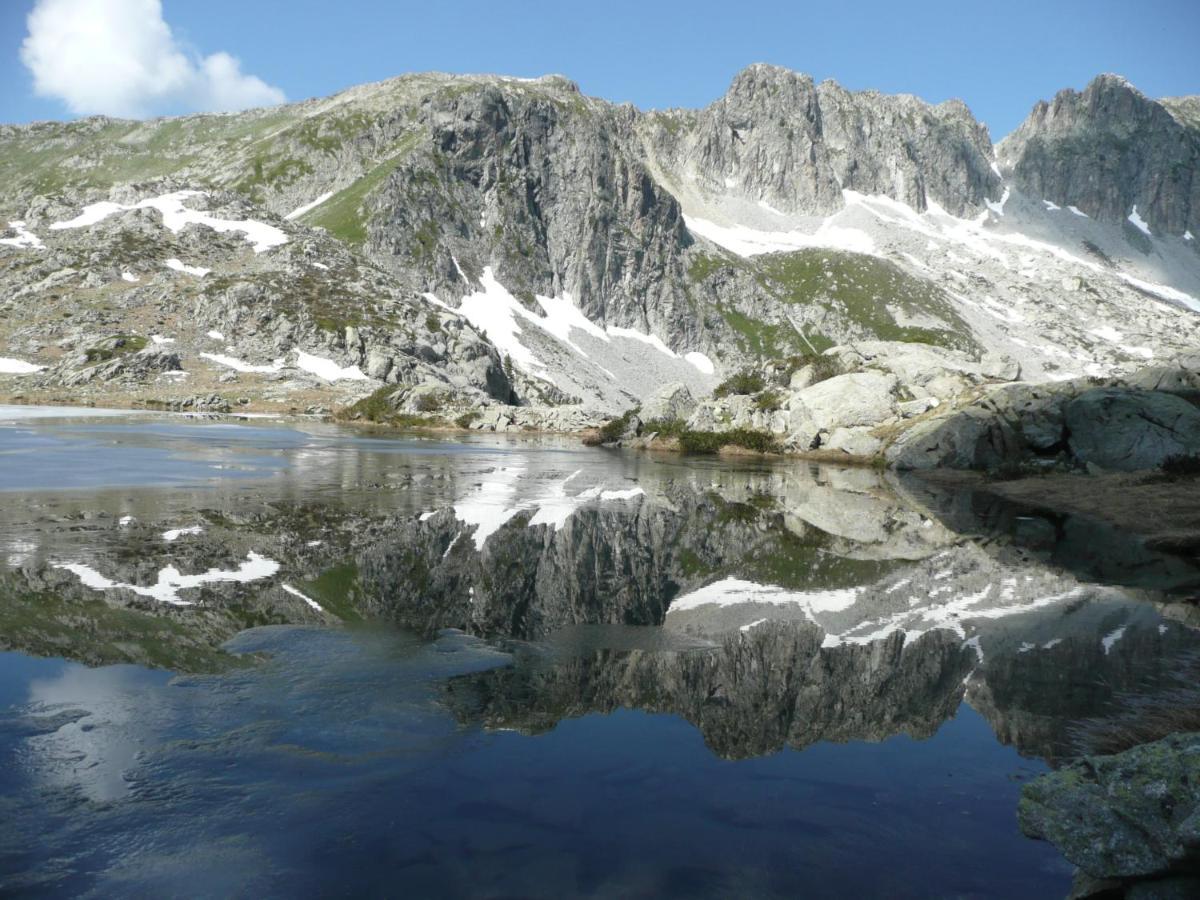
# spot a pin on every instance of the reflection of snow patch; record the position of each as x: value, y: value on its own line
x: 171, y: 581
x: 1111, y: 639
x: 734, y: 591
x: 1077, y: 211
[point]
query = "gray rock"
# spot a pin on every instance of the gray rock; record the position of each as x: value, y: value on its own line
x: 971, y: 439
x: 669, y: 403
x: 1126, y: 431
x: 1131, y: 815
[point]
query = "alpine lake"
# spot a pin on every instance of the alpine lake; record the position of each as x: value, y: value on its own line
x: 264, y: 658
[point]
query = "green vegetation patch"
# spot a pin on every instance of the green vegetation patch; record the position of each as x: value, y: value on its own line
x: 743, y: 382
x: 342, y: 214
x: 861, y: 289
x: 116, y: 346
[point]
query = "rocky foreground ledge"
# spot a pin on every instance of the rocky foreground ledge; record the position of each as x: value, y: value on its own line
x: 914, y: 407
x: 1129, y: 821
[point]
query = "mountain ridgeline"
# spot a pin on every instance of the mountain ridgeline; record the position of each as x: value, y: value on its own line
x: 466, y: 247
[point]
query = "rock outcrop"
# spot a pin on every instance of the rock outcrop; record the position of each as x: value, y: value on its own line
x: 1132, y: 815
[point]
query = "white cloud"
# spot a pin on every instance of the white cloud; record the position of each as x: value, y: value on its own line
x: 119, y: 57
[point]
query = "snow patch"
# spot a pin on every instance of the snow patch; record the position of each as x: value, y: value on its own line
x: 179, y: 266
x: 327, y: 369
x: 25, y: 238
x: 176, y: 533
x: 700, y: 361
x: 216, y: 335
x: 311, y: 602
x: 1077, y: 211
x: 1138, y: 222
x: 130, y: 277
x: 745, y: 241
x: 10, y: 366
x: 176, y: 216
x: 240, y: 366
x: 301, y: 210
x: 1051, y: 207
x: 998, y: 208
x: 159, y: 340
x: 1108, y: 333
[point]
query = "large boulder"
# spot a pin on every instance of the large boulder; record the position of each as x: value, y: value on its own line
x: 1126, y: 430
x: 1132, y: 815
x: 862, y: 399
x: 669, y: 403
x: 973, y: 438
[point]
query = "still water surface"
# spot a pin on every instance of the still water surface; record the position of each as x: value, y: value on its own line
x: 525, y: 668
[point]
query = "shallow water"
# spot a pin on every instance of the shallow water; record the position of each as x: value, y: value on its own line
x: 525, y: 668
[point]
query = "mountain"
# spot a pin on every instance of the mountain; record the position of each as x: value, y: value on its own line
x: 509, y: 253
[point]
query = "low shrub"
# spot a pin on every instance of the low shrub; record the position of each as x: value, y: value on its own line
x: 611, y: 431
x: 744, y: 382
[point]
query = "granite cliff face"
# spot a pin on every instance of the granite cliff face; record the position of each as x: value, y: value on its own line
x: 467, y: 246
x: 1114, y: 154
x: 795, y: 145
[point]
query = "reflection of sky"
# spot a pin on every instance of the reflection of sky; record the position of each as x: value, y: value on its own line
x: 108, y: 711
x: 333, y: 769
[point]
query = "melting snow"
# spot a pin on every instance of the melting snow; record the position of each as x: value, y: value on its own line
x: 178, y: 266
x: 1138, y: 222
x: 130, y: 277
x: 25, y: 237
x: 216, y: 335
x: 160, y: 340
x: 753, y: 624
x: 171, y: 581
x: 176, y: 216
x: 10, y: 366
x: 301, y: 210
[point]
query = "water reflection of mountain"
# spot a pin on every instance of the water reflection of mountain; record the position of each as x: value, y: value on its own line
x: 818, y: 604
x: 752, y: 695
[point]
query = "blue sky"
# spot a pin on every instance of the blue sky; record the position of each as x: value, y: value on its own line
x: 1000, y: 57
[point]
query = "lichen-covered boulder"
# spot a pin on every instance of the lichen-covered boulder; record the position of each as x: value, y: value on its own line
x: 1135, y: 814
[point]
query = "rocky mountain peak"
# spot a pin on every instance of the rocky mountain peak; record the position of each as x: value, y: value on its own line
x: 1107, y: 150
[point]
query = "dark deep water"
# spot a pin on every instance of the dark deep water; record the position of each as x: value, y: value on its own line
x: 844, y: 700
